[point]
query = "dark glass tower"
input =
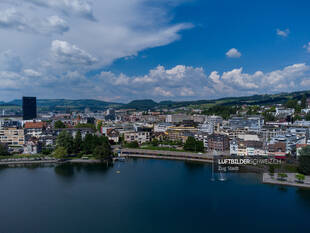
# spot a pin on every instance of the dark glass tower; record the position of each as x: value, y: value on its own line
x: 29, y: 108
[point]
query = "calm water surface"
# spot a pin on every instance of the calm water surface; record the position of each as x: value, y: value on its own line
x: 148, y: 196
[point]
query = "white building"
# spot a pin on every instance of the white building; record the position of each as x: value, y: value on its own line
x: 284, y: 111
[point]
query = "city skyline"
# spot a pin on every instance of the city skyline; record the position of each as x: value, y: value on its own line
x: 160, y: 50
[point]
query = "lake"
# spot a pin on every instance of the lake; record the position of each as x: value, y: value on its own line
x: 146, y: 196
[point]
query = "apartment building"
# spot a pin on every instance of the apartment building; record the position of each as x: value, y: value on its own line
x: 140, y: 136
x: 218, y: 142
x: 12, y: 136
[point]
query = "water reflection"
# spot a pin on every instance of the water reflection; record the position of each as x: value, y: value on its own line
x: 70, y: 170
x: 194, y: 166
x: 304, y: 195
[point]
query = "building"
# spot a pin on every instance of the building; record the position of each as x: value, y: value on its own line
x: 177, y: 118
x: 140, y: 137
x: 161, y: 127
x: 12, y: 136
x: 180, y: 133
x: 277, y: 149
x: 34, y: 129
x: 250, y: 148
x: 33, y: 146
x: 253, y: 123
x: 113, y: 135
x: 218, y: 142
x: 233, y: 147
x: 283, y: 112
x: 110, y: 115
x: 29, y: 108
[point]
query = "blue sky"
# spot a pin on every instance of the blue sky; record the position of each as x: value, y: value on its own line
x: 164, y: 49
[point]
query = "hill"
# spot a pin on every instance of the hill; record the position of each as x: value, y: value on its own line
x: 146, y: 104
x: 266, y: 99
x: 70, y: 105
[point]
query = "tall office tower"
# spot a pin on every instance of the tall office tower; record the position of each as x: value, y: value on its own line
x: 29, y: 108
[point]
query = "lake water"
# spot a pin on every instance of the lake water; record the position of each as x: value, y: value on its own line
x: 147, y: 196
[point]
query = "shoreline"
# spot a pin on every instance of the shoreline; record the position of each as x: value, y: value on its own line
x: 49, y: 161
x: 291, y: 181
x: 161, y: 157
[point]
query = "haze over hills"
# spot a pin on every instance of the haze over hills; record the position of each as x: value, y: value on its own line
x: 65, y: 104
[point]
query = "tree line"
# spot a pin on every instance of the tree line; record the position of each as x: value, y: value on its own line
x: 97, y: 146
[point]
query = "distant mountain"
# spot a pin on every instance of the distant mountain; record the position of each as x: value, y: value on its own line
x: 248, y: 100
x: 145, y: 104
x: 70, y: 105
x: 141, y: 104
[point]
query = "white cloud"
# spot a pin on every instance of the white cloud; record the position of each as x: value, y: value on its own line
x: 177, y: 83
x: 12, y: 18
x: 32, y: 73
x: 307, y: 47
x: 118, y: 28
x: 66, y: 53
x: 78, y: 7
x: 233, y: 53
x: 283, y: 33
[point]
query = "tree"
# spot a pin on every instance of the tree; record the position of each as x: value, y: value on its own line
x: 282, y: 176
x: 271, y: 169
x: 99, y: 125
x: 268, y: 116
x: 304, y: 101
x: 155, y: 142
x: 78, y: 142
x: 304, y: 161
x: 65, y: 140
x: 86, y: 126
x: 192, y: 144
x: 300, y: 178
x: 88, y: 144
x: 60, y: 152
x: 3, y: 150
x: 133, y: 144
x: 102, y: 152
x: 291, y: 104
x: 59, y: 125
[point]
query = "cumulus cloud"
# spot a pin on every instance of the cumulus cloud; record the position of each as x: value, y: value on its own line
x: 233, y: 53
x: 78, y: 7
x: 12, y: 18
x: 161, y: 83
x: 283, y: 33
x: 66, y: 53
x: 117, y: 29
x: 287, y: 79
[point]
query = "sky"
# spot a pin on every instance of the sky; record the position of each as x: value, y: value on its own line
x: 123, y: 50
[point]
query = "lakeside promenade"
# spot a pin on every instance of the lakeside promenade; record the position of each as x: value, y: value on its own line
x: 290, y: 180
x: 46, y: 160
x: 170, y: 155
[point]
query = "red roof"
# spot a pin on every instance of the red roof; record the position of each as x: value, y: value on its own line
x: 34, y: 125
